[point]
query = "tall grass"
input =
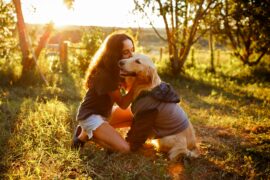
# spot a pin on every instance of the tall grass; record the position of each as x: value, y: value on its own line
x: 36, y: 125
x: 229, y: 110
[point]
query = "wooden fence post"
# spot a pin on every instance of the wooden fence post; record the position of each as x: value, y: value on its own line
x: 160, y: 54
x: 63, y: 48
x: 192, y: 57
x: 218, y: 57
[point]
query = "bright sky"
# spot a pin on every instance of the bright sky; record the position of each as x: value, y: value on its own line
x: 114, y: 13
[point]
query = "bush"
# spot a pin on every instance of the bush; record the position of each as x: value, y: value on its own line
x: 91, y: 40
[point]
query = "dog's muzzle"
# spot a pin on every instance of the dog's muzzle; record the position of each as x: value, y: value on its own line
x: 124, y: 72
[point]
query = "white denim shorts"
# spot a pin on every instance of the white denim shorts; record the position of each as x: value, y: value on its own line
x: 92, y: 123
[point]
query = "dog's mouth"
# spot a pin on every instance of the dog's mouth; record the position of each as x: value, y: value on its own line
x: 126, y: 73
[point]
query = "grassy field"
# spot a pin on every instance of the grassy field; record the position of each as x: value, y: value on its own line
x: 230, y: 111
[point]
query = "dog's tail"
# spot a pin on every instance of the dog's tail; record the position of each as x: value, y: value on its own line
x: 191, y: 138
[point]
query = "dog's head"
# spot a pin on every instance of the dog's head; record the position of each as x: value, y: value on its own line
x: 140, y: 66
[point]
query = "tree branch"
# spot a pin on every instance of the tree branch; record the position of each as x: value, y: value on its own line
x: 43, y: 40
x: 202, y: 34
x: 150, y: 22
x: 258, y: 60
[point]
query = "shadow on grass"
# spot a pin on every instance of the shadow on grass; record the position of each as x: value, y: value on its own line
x: 193, y: 91
x: 258, y: 77
x: 203, y: 169
x: 222, y: 144
x: 230, y: 151
x: 202, y: 88
x: 100, y: 164
x: 12, y: 99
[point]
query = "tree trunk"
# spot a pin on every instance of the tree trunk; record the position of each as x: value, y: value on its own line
x: 175, y: 65
x: 184, y: 55
x: 43, y: 40
x: 27, y: 61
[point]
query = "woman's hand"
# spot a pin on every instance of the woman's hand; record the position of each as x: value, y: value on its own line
x: 132, y: 85
x: 127, y: 83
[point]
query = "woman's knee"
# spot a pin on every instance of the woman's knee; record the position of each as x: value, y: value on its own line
x: 124, y: 148
x: 119, y: 147
x: 108, y: 136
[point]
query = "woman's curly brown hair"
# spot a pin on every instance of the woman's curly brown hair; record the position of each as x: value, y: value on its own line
x: 107, y: 57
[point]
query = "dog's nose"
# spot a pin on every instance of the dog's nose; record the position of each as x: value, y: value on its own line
x: 121, y: 63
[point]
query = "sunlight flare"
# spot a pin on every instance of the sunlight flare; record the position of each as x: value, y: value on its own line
x: 116, y: 13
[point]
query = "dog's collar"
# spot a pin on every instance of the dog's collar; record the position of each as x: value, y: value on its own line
x: 142, y: 94
x: 145, y: 93
x: 163, y: 92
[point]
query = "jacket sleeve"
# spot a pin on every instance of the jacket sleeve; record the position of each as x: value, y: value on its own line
x: 141, y: 128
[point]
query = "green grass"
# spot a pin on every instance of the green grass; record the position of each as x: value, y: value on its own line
x: 231, y: 113
x: 229, y: 109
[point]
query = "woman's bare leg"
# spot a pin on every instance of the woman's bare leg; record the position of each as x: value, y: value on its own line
x: 121, y: 118
x: 108, y: 137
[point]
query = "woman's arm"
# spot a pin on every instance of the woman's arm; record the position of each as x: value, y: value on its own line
x: 131, y: 84
x: 122, y: 101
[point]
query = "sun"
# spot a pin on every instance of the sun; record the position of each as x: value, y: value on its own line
x: 84, y: 12
x: 43, y: 12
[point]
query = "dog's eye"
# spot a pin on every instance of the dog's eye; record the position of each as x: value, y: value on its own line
x: 137, y: 61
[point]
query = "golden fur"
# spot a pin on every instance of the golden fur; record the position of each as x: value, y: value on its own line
x: 183, y: 143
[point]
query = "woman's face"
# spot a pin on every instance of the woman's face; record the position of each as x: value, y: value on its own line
x: 128, y: 49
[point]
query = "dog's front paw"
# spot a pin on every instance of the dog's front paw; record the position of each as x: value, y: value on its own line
x: 192, y: 154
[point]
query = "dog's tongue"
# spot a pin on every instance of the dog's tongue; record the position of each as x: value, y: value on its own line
x: 123, y: 72
x: 126, y: 73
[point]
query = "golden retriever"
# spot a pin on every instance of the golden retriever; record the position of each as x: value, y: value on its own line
x: 181, y: 143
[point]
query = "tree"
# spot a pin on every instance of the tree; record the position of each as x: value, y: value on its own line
x: 28, y: 58
x: 246, y: 24
x: 27, y: 62
x: 182, y: 20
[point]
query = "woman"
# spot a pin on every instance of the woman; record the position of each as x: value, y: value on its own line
x: 96, y: 116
